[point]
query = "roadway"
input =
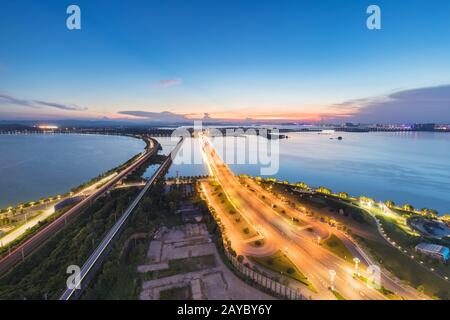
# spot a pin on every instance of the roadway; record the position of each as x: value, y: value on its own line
x: 26, y: 248
x: 313, y: 260
x: 49, y: 210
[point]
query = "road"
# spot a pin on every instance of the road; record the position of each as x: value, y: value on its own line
x: 49, y: 210
x: 312, y: 259
x: 26, y: 248
x: 324, y: 230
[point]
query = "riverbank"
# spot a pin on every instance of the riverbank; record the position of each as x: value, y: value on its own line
x: 37, y: 167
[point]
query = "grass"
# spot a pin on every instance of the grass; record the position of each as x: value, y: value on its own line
x: 184, y: 265
x: 338, y: 295
x: 406, y: 269
x: 281, y: 209
x: 336, y: 246
x: 34, y: 229
x: 180, y: 293
x: 43, y: 274
x: 280, y: 263
x: 396, y: 220
x: 247, y: 231
x: 118, y: 278
x: 386, y: 292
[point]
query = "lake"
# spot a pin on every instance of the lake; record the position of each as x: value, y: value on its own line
x: 406, y: 167
x: 43, y: 165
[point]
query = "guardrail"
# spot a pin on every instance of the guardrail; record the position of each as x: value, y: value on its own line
x: 97, y: 257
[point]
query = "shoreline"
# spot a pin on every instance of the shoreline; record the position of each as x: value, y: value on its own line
x: 86, y: 183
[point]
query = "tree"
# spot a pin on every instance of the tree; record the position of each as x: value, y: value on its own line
x: 390, y: 204
x: 408, y: 207
x: 366, y: 200
x: 172, y: 206
x: 301, y: 185
x: 324, y: 190
x: 433, y: 213
x: 343, y: 195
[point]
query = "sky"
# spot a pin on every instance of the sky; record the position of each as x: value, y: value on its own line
x: 265, y: 60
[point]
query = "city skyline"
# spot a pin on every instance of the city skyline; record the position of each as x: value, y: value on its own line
x: 172, y: 61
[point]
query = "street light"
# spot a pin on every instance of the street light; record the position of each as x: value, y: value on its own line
x: 332, y: 274
x: 357, y: 261
x: 318, y: 239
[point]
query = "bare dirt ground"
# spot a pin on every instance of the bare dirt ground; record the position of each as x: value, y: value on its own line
x: 191, y: 242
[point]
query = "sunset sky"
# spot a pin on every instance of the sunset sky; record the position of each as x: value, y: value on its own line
x: 280, y: 60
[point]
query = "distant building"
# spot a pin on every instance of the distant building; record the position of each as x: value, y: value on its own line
x: 434, y: 250
x: 423, y: 126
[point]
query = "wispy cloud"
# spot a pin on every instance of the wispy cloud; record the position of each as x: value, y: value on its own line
x: 430, y: 104
x: 169, y: 82
x: 70, y: 107
x: 164, y: 116
x: 6, y: 99
x: 10, y: 100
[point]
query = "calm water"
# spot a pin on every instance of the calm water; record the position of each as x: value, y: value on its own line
x: 404, y: 167
x: 35, y: 166
x: 168, y: 144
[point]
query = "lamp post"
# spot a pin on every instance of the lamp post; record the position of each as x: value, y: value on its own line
x: 332, y: 274
x: 357, y: 261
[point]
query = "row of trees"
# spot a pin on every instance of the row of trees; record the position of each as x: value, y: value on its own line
x: 30, y: 204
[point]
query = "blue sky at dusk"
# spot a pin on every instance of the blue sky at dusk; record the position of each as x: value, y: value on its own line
x: 295, y: 60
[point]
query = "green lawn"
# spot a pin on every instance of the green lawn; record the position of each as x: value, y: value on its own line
x: 386, y: 292
x: 280, y: 263
x: 338, y: 295
x: 238, y: 220
x: 406, y: 269
x: 335, y: 245
x: 185, y: 265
